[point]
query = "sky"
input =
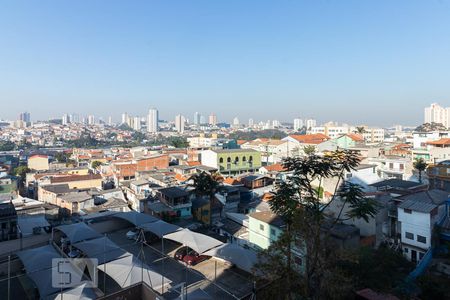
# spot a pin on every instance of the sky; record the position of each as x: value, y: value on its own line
x: 360, y: 62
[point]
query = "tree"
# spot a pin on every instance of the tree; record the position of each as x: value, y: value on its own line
x: 21, y: 171
x: 420, y: 165
x: 204, y: 184
x: 7, y: 146
x: 309, y: 149
x: 179, y: 142
x: 309, y: 226
x: 360, y: 129
x: 95, y: 164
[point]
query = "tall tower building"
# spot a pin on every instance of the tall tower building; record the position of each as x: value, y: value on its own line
x: 110, y: 122
x: 25, y: 117
x: 124, y: 118
x: 298, y: 124
x: 91, y: 120
x: 179, y: 123
x: 212, y: 119
x: 137, y: 123
x: 236, y: 122
x: 310, y: 123
x: 65, y: 119
x: 251, y: 122
x: 197, y: 118
x: 152, y: 120
x: 437, y: 114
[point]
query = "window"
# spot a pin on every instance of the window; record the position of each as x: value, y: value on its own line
x: 236, y: 160
x: 221, y: 160
x: 272, y: 231
x: 298, y: 260
x: 421, y: 239
x: 401, y: 167
x: 407, y: 211
x: 409, y: 235
x: 244, y: 158
x: 250, y: 158
x: 406, y: 250
x: 229, y: 159
x: 349, y: 175
x: 421, y: 255
x: 261, y: 227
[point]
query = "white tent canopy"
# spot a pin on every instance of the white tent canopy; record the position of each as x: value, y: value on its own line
x: 197, y: 241
x: 130, y: 270
x: 160, y: 228
x: 244, y: 259
x: 38, y: 265
x: 81, y: 292
x: 78, y: 232
x: 28, y: 223
x: 135, y: 218
x: 102, y: 249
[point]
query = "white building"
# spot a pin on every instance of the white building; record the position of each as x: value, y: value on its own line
x: 310, y: 123
x: 65, y: 119
x: 124, y: 118
x: 250, y: 122
x: 298, y: 124
x: 417, y: 216
x: 179, y: 123
x: 212, y: 119
x: 137, y: 123
x: 152, y: 120
x: 196, y: 118
x: 437, y: 114
x: 91, y: 120
x: 236, y: 122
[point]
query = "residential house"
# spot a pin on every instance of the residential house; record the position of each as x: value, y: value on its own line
x: 38, y: 162
x: 8, y: 222
x: 177, y: 199
x: 439, y: 175
x: 418, y: 214
x: 389, y: 166
x: 299, y: 142
x: 232, y: 161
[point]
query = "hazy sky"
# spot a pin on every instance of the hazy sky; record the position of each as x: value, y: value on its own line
x: 375, y: 62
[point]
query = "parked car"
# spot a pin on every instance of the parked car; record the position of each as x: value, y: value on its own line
x: 181, y: 252
x: 193, y: 258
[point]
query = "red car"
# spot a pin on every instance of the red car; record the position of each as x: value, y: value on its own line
x: 189, y: 256
x: 193, y: 258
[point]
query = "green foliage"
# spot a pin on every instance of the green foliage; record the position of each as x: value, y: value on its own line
x: 309, y: 150
x: 428, y: 127
x: 7, y: 146
x: 95, y: 164
x: 62, y: 157
x: 251, y: 135
x: 125, y: 127
x: 178, y: 142
x: 204, y: 184
x: 420, y: 165
x: 433, y: 287
x: 298, y: 202
x: 21, y: 171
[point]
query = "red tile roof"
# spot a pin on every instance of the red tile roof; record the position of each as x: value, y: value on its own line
x: 355, y: 137
x: 315, y: 138
x: 274, y: 168
x: 443, y: 141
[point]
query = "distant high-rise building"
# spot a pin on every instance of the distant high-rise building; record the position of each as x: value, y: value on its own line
x: 212, y: 119
x: 91, y: 120
x: 124, y: 118
x: 110, y: 122
x: 276, y: 124
x: 25, y: 117
x: 236, y: 122
x: 197, y: 118
x: 298, y: 124
x: 310, y: 123
x: 437, y: 114
x: 202, y: 119
x: 179, y: 123
x: 152, y: 120
x: 251, y: 122
x: 65, y: 119
x: 137, y: 123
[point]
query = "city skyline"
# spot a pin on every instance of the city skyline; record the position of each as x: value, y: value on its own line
x: 331, y: 61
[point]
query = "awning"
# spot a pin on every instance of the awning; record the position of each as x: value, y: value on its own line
x: 81, y: 292
x: 197, y: 241
x: 244, y: 259
x: 38, y: 265
x: 160, y: 228
x: 37, y: 259
x: 28, y: 223
x: 136, y: 218
x: 102, y: 249
x: 78, y: 232
x: 130, y: 270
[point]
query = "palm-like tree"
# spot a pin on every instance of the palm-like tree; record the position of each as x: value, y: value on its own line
x: 360, y: 129
x: 205, y: 184
x: 420, y: 165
